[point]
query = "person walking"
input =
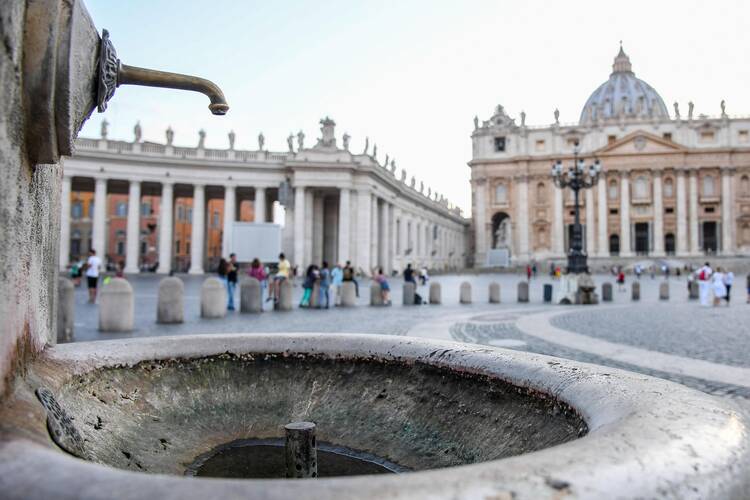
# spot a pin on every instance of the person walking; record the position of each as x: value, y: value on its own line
x: 325, y: 283
x: 704, y: 284
x: 337, y: 278
x: 349, y: 275
x: 528, y: 272
x: 621, y: 280
x: 718, y: 286
x: 93, y: 267
x: 311, y: 275
x: 728, y: 282
x: 282, y: 274
x: 533, y: 269
x: 385, y: 288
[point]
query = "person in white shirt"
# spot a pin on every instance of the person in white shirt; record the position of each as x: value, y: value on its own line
x: 93, y: 264
x: 728, y: 281
x: 718, y: 286
x: 704, y: 283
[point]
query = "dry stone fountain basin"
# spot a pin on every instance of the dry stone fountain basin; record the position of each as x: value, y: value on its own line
x: 204, y: 417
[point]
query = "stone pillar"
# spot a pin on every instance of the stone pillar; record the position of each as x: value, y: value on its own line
x: 590, y: 224
x: 318, y: 212
x: 299, y: 226
x: 384, y: 240
x: 214, y: 298
x: 171, y: 302
x: 99, y: 231
x: 134, y: 227
x: 464, y: 293
x: 658, y: 216
x: 602, y: 217
x: 480, y: 223
x: 259, y: 205
x: 558, y: 233
x: 165, y: 229
x: 65, y: 224
x: 308, y: 253
x: 682, y: 246
x: 727, y: 224
x: 65, y: 310
x: 230, y: 214
x: 364, y: 206
x: 344, y: 225
x: 197, y: 237
x: 374, y: 234
x: 404, y: 238
x: 693, y: 212
x: 625, y: 248
x: 435, y: 293
x: 522, y: 216
x: 116, y: 307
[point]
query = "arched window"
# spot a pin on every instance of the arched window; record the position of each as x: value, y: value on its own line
x: 612, y: 192
x: 709, y: 188
x: 121, y: 209
x: 640, y: 188
x: 501, y: 194
x: 541, y: 237
x: 745, y: 186
x: 540, y: 192
x: 76, y: 210
x: 668, y: 187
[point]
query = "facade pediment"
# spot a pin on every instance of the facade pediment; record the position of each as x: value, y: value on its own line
x: 640, y: 143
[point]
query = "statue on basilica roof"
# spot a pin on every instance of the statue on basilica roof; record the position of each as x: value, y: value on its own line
x: 691, y: 106
x: 723, y: 108
x: 170, y: 135
x: 104, y: 129
x: 201, y: 139
x: 677, y: 110
x: 345, y: 138
x: 290, y: 142
x: 231, y: 135
x: 137, y: 131
x: 300, y: 140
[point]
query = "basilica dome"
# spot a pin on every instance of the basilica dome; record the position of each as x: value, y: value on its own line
x: 623, y: 96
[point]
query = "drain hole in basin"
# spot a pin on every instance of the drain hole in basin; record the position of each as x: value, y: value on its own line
x: 264, y: 459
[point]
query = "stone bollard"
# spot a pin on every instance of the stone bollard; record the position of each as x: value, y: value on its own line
x: 547, y: 293
x: 664, y: 291
x: 494, y: 293
x: 213, y: 298
x: 436, y: 294
x: 251, y: 296
x: 635, y: 291
x: 607, y: 292
x: 285, y: 296
x: 171, y: 302
x: 348, y: 294
x: 65, y: 310
x: 376, y: 296
x: 409, y: 290
x: 465, y: 293
x: 116, y: 310
x: 694, y: 291
x: 523, y: 291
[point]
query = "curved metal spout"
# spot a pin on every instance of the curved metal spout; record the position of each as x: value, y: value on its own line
x: 132, y: 75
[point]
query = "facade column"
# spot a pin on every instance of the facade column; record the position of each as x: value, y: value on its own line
x: 602, y: 217
x: 682, y: 245
x: 480, y: 223
x: 384, y: 241
x: 65, y: 224
x: 259, y: 205
x: 693, y: 212
x: 165, y: 229
x: 230, y: 214
x: 317, y: 226
x: 299, y: 226
x: 558, y: 238
x: 658, y: 216
x: 374, y: 234
x: 197, y: 237
x: 727, y: 203
x: 344, y: 225
x: 99, y: 231
x: 522, y: 217
x: 590, y: 223
x: 134, y: 227
x: 364, y: 221
x: 625, y: 247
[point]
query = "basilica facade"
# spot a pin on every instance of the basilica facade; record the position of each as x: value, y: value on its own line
x: 671, y: 183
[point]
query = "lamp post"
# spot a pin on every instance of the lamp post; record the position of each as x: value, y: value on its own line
x: 578, y: 176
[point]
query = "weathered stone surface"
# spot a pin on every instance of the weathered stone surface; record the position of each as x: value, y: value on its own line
x: 436, y: 293
x: 523, y: 291
x: 464, y: 293
x: 171, y: 306
x: 285, y: 296
x: 635, y: 291
x: 664, y: 291
x: 213, y: 298
x: 251, y: 296
x: 65, y: 310
x: 409, y: 290
x: 376, y: 297
x: 348, y: 294
x: 116, y: 306
x: 607, y: 292
x: 494, y: 292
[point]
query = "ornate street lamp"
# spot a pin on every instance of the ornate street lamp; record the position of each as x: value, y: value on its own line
x: 576, y: 177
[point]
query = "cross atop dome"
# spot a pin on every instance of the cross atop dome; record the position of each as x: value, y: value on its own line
x: 622, y: 62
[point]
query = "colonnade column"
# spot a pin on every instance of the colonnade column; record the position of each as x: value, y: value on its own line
x: 165, y: 229
x: 230, y: 213
x: 682, y: 246
x: 480, y: 223
x: 197, y: 237
x: 625, y: 249
x: 658, y: 216
x: 522, y: 217
x: 558, y: 239
x: 693, y: 212
x: 65, y: 223
x: 299, y: 226
x: 134, y: 227
x: 344, y: 225
x: 727, y: 242
x: 602, y: 249
x: 374, y: 234
x: 590, y: 224
x: 384, y: 240
x: 99, y: 231
x: 259, y: 205
x: 364, y: 221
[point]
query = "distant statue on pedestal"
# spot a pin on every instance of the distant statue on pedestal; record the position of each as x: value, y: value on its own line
x: 421, y: 186
x: 367, y: 145
x: 523, y: 118
x: 677, y: 110
x: 345, y: 139
x: 201, y: 139
x: 137, y: 131
x: 290, y: 142
x: 170, y: 135
x: 413, y: 181
x: 387, y: 160
x: 403, y: 175
x: 105, y: 125
x: 429, y: 192
x: 300, y: 140
x: 557, y: 116
x: 231, y: 139
x: 476, y: 122
x: 393, y: 166
x: 691, y: 106
x: 261, y: 141
x: 723, y: 108
x: 375, y: 152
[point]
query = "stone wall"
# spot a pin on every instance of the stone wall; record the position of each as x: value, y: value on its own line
x: 29, y: 217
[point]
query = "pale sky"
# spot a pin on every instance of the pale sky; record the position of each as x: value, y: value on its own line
x: 411, y: 75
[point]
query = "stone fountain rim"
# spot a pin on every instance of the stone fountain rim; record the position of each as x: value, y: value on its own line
x: 647, y: 436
